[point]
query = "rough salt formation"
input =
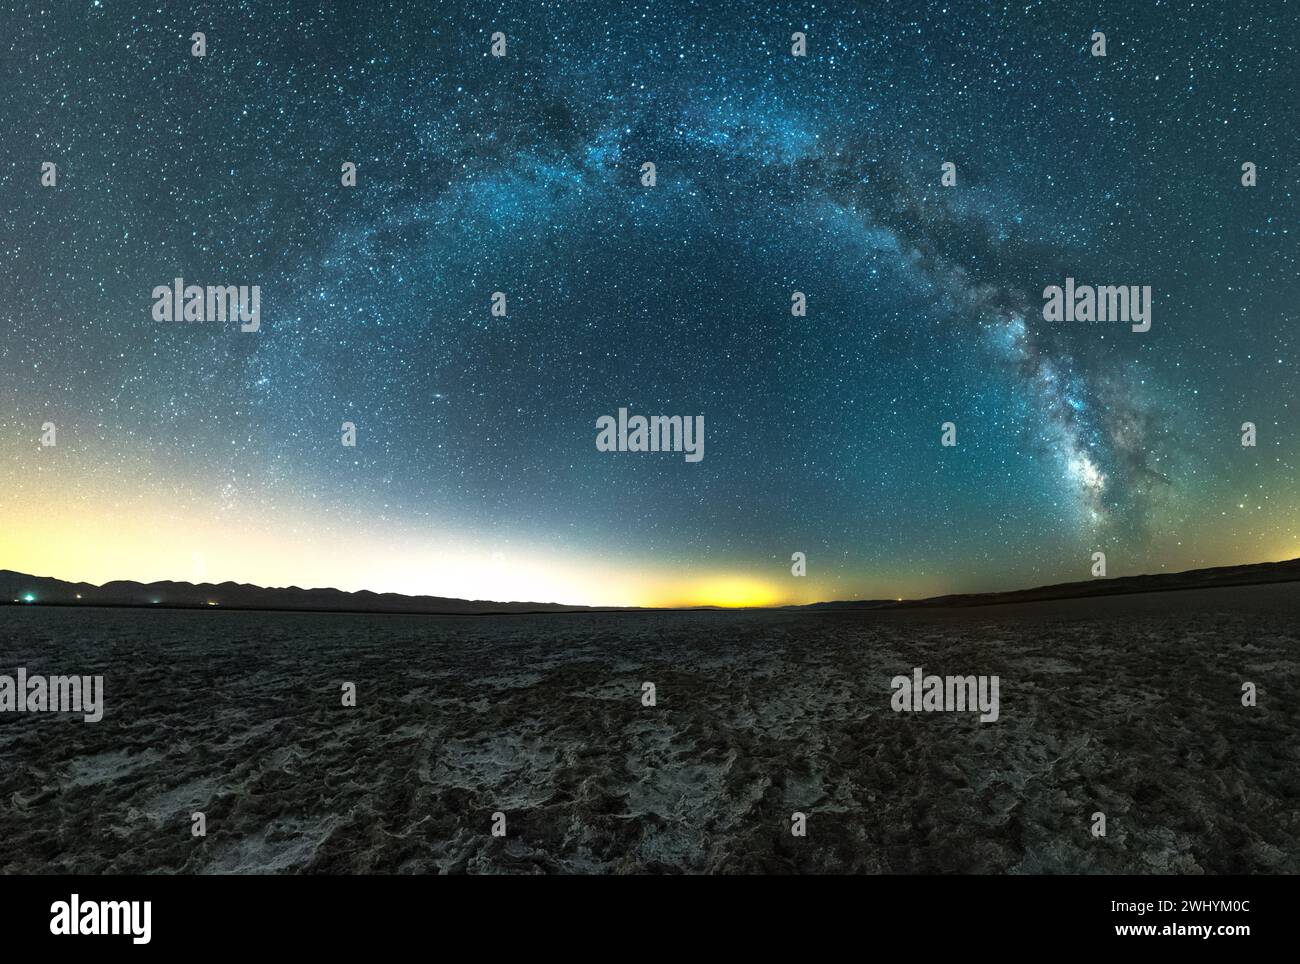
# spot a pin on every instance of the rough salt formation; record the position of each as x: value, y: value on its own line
x: 1127, y: 705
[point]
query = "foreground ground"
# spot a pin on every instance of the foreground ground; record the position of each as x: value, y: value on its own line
x: 1130, y: 706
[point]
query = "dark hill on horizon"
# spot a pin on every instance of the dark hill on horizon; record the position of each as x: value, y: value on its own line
x: 45, y: 590
x: 1245, y: 575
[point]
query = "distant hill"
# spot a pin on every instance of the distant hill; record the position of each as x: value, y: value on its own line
x: 16, y: 587
x: 1261, y: 572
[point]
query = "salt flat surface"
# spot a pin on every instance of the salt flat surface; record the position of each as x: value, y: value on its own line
x: 1129, y: 705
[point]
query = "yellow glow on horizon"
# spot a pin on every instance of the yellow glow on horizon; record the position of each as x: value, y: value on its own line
x: 91, y: 520
x: 146, y: 545
x: 728, y: 591
x: 146, y: 531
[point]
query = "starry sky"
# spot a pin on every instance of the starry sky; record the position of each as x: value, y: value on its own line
x: 196, y: 451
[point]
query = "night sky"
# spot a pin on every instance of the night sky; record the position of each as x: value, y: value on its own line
x: 192, y: 450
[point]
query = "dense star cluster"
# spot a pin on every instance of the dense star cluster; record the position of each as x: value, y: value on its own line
x: 192, y: 449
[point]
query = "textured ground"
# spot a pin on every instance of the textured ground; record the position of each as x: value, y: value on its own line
x: 1128, y: 705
